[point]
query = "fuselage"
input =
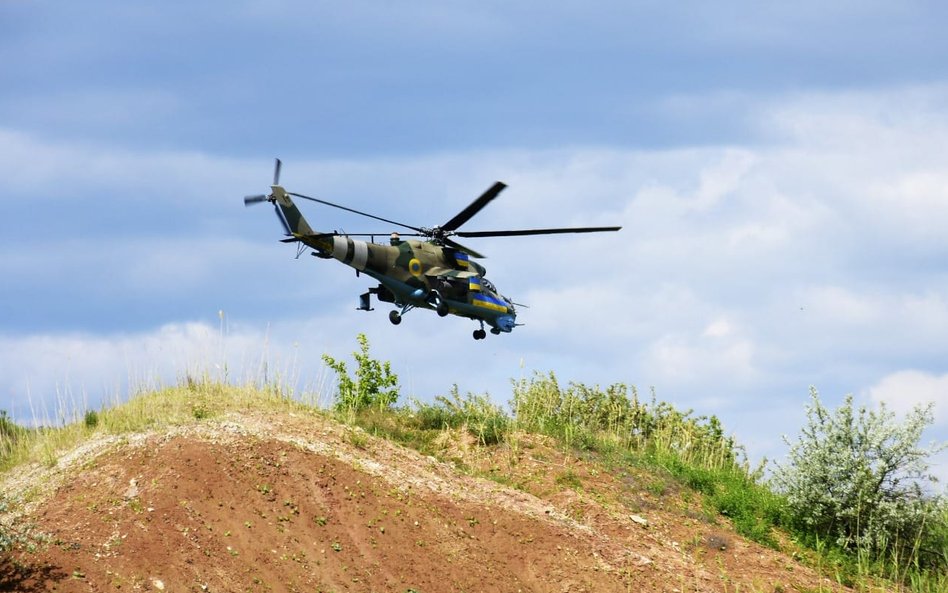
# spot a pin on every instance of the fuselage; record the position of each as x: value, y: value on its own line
x: 415, y: 272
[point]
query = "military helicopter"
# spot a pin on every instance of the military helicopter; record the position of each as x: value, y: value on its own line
x: 435, y: 272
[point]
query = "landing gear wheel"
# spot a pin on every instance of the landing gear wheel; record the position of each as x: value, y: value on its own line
x: 479, y: 334
x: 394, y: 317
x: 442, y: 308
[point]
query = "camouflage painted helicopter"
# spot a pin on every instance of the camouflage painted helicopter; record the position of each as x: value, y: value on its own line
x: 434, y: 273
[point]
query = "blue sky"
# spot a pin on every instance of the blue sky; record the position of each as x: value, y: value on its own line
x: 779, y: 170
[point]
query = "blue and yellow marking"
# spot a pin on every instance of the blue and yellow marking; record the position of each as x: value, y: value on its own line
x: 414, y: 266
x: 487, y: 302
x: 474, y: 284
x: 462, y: 260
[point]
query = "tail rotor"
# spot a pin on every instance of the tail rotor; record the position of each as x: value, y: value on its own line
x: 256, y: 199
x: 249, y: 200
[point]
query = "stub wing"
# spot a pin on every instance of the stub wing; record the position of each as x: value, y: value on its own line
x: 438, y: 272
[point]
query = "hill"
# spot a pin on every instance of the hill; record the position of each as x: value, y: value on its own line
x: 281, y: 497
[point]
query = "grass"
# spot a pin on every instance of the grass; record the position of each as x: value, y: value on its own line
x: 191, y: 401
x: 611, y: 426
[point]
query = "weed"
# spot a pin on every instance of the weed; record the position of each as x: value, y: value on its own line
x: 374, y: 384
x: 657, y: 488
x: 569, y: 479
x: 357, y: 438
x: 200, y: 412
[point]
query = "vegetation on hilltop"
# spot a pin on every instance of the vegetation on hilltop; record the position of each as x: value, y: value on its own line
x: 853, y: 489
x: 859, y: 480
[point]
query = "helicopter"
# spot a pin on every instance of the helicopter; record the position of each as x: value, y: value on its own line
x: 432, y: 271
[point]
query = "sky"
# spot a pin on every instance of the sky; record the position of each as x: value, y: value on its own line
x: 779, y: 170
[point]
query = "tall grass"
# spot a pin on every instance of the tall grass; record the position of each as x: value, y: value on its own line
x: 695, y: 450
x: 613, y: 423
x: 591, y: 417
x: 11, y: 435
x: 194, y: 399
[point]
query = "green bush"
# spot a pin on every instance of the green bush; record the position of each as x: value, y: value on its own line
x: 374, y: 385
x: 857, y: 478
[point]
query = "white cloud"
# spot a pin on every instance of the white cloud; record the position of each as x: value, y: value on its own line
x: 750, y: 271
x: 689, y: 362
x: 722, y: 179
x: 902, y: 391
x: 719, y: 328
x: 841, y: 306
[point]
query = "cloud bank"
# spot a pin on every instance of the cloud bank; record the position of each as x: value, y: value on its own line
x: 743, y: 274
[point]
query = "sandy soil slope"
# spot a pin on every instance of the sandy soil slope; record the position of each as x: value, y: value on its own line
x: 296, y: 502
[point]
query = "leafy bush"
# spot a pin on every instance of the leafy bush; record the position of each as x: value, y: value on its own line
x: 857, y: 478
x: 374, y: 384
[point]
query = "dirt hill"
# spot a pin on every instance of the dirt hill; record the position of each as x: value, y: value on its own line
x: 285, y: 501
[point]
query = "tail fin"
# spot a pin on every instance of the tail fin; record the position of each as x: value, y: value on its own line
x: 291, y: 216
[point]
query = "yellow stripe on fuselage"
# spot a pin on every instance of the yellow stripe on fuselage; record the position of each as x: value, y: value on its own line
x: 488, y: 304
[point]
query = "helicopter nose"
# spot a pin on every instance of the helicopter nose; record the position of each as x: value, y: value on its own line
x: 506, y: 323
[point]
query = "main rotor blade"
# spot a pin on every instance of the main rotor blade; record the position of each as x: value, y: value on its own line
x: 248, y: 200
x: 276, y: 172
x: 354, y: 211
x: 467, y: 250
x: 523, y: 232
x: 474, y: 207
x: 348, y: 234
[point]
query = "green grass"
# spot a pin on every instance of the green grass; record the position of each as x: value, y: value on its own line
x: 611, y: 426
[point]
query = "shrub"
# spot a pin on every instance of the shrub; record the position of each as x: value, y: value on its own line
x: 857, y: 478
x: 374, y: 384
